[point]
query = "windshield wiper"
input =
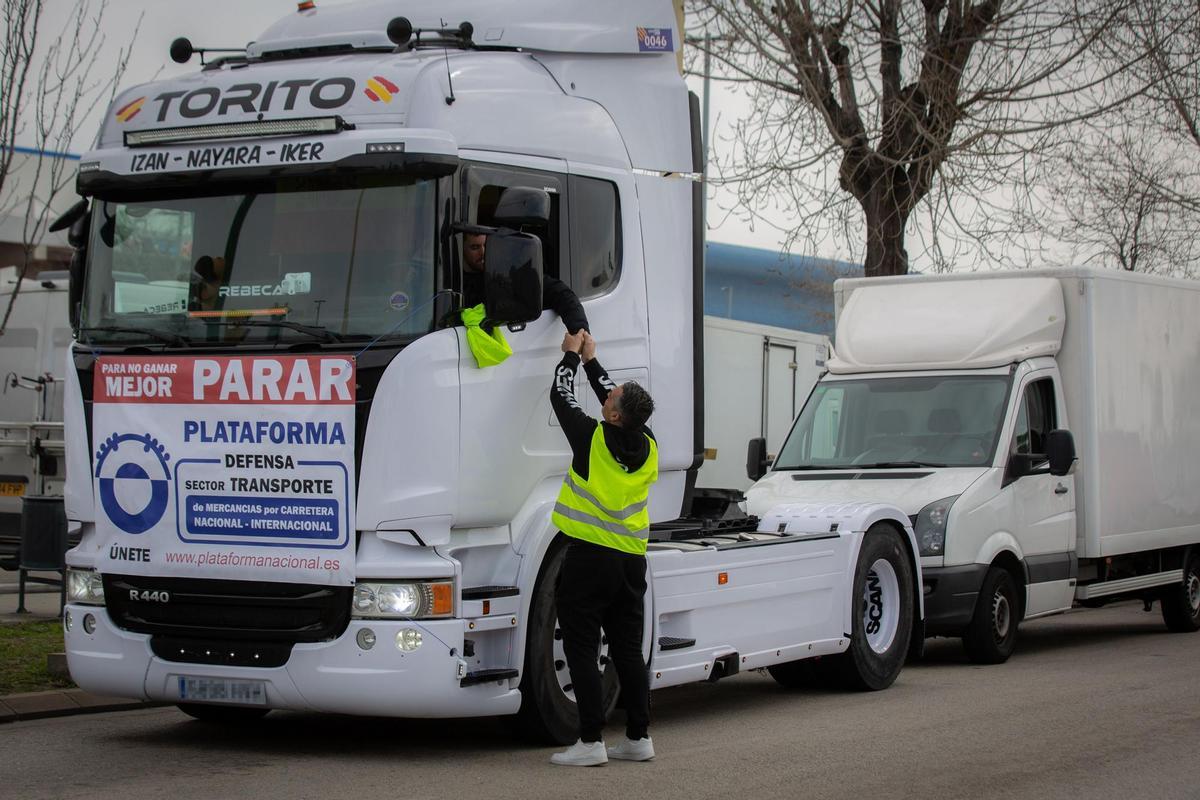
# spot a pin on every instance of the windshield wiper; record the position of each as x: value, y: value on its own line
x: 324, y: 334
x: 817, y: 467
x: 162, y: 336
x: 895, y: 464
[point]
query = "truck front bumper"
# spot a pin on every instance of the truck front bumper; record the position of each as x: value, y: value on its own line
x: 337, y: 676
x: 950, y: 596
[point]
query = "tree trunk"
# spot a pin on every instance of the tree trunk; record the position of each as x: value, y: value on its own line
x: 885, y: 232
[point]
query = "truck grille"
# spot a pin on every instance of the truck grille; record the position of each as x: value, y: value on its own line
x: 202, y: 609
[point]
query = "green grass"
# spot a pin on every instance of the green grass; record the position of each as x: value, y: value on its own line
x: 23, y: 650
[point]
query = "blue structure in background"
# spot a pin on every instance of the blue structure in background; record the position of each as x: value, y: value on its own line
x: 770, y: 288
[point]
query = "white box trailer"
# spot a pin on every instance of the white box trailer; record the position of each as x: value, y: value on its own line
x: 951, y: 397
x: 756, y: 379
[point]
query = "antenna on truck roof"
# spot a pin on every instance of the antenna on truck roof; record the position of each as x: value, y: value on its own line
x: 401, y: 32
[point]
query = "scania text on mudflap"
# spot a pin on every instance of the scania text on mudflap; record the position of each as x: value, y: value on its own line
x: 295, y: 486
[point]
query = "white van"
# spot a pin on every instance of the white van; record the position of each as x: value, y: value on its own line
x: 961, y: 399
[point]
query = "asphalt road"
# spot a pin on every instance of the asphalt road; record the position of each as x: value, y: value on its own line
x: 1095, y: 704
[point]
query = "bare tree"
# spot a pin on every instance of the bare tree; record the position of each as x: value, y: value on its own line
x: 49, y: 90
x: 866, y: 110
x: 1126, y: 191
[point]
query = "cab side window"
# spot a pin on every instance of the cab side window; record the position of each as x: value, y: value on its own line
x: 483, y: 186
x: 595, y: 229
x: 1035, y: 419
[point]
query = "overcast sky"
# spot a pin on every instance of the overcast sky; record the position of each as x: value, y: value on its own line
x: 234, y: 23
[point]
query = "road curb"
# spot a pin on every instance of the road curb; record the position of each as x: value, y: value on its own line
x: 63, y: 703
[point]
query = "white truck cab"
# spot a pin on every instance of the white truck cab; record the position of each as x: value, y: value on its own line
x: 295, y: 486
x: 961, y: 400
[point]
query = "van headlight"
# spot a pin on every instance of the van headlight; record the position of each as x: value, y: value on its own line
x: 930, y: 527
x: 85, y: 587
x: 403, y: 600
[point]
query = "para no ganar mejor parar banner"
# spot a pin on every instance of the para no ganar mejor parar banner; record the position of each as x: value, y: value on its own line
x: 237, y: 468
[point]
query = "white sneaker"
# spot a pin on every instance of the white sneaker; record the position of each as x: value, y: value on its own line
x: 581, y: 754
x: 633, y: 750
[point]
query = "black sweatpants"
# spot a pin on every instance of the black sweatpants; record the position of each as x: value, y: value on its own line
x: 603, y: 588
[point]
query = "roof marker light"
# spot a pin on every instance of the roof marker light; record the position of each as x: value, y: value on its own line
x: 306, y: 5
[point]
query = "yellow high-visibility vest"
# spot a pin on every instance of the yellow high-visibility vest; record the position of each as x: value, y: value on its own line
x: 489, y: 349
x: 610, y: 508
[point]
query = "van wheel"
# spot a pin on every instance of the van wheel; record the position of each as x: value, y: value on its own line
x: 548, y: 714
x: 1181, y: 603
x: 224, y: 715
x: 882, y: 594
x: 991, y: 636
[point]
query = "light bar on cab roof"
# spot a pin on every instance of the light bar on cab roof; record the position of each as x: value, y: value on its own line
x: 235, y: 130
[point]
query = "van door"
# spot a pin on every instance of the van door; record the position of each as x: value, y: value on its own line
x: 1044, y: 504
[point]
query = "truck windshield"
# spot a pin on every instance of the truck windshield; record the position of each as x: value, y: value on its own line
x: 898, y: 422
x: 316, y: 263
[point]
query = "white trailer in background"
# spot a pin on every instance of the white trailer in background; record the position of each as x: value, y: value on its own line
x: 33, y: 358
x: 757, y: 377
x: 1039, y: 430
x: 296, y: 488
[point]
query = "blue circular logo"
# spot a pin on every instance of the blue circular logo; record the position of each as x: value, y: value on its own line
x: 128, y: 469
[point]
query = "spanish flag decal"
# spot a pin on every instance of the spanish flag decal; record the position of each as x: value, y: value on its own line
x: 128, y: 112
x: 380, y: 89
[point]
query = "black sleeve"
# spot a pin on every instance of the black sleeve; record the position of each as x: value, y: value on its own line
x: 601, y: 383
x: 577, y: 425
x: 559, y: 298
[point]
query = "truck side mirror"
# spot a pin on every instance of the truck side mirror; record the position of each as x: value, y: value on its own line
x: 522, y: 205
x: 77, y: 238
x: 1060, y: 451
x: 512, y: 267
x: 756, y: 459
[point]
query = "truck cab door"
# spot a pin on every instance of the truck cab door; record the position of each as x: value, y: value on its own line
x: 1043, y: 504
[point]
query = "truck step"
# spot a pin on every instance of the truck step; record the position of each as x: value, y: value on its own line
x: 489, y: 592
x: 674, y: 643
x: 487, y: 676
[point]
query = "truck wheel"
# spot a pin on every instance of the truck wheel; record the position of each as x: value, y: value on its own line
x: 882, y: 617
x: 991, y: 635
x: 548, y: 714
x: 224, y: 715
x: 1181, y: 603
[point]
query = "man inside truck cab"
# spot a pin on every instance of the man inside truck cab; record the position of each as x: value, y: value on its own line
x: 489, y: 346
x: 603, y: 509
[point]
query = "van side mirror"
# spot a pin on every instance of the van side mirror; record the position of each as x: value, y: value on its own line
x: 756, y: 459
x: 512, y: 266
x: 522, y: 205
x: 1060, y: 451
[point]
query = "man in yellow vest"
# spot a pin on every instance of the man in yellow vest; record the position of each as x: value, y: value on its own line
x: 602, y: 508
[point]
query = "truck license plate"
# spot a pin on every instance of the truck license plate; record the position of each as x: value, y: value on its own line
x: 220, y: 690
x: 11, y: 489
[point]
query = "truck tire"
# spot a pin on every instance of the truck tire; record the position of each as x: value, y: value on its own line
x: 223, y: 715
x: 991, y: 635
x: 548, y: 714
x: 1181, y: 602
x: 881, y: 621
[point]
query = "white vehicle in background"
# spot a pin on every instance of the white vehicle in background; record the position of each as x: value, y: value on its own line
x: 33, y: 354
x: 295, y: 487
x: 1038, y: 429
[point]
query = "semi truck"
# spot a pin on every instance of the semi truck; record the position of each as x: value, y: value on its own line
x: 1036, y: 428
x: 295, y: 487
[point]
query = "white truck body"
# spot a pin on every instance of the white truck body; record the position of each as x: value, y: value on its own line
x: 757, y: 377
x: 935, y: 379
x: 335, y: 205
x: 34, y: 349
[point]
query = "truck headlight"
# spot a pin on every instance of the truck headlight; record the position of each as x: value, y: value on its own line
x: 406, y: 600
x: 931, y: 526
x: 85, y: 587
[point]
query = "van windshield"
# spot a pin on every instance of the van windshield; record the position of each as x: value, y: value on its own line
x: 945, y: 421
x: 313, y: 263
